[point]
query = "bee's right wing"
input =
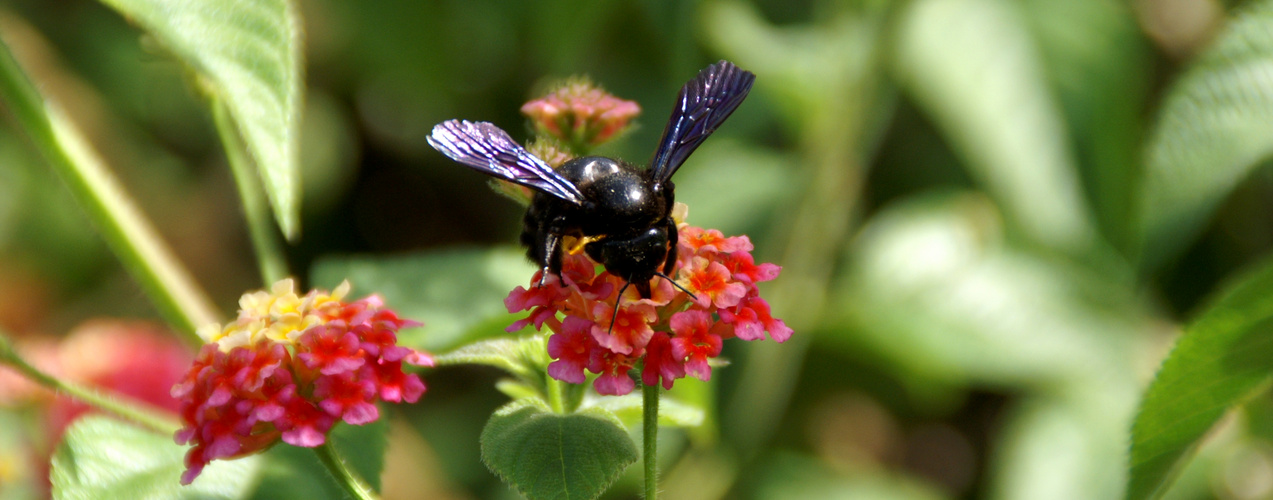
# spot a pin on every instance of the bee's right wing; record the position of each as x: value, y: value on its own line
x: 703, y: 104
x: 487, y: 148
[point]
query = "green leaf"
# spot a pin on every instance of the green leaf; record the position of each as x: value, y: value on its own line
x: 452, y: 291
x: 1220, y: 361
x: 516, y: 389
x: 972, y: 66
x: 672, y: 412
x: 505, y: 354
x: 546, y: 455
x: 248, y: 53
x: 103, y: 458
x: 701, y: 395
x: 525, y: 358
x: 1215, y: 127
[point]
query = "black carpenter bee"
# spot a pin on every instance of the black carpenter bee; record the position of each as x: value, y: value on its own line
x: 622, y: 211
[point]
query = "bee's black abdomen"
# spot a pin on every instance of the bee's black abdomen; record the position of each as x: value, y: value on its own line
x: 623, y: 213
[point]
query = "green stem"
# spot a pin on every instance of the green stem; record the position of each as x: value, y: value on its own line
x: 650, y: 436
x: 118, y: 405
x: 265, y: 241
x: 354, y: 485
x: 554, y: 396
x: 132, y: 238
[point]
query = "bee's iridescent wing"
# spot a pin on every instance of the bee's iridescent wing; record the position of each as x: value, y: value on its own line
x: 486, y: 148
x: 703, y: 104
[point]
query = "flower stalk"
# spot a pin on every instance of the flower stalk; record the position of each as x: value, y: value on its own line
x: 353, y: 484
x: 128, y: 233
x: 118, y: 405
x: 270, y: 258
x: 554, y: 396
x: 650, y: 437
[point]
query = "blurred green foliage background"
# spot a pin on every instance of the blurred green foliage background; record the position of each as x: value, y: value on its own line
x: 962, y: 193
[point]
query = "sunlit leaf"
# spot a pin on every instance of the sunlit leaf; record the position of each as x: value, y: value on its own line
x: 1215, y: 126
x: 1062, y: 448
x: 103, y: 458
x: 972, y: 65
x: 547, y: 455
x: 249, y: 53
x: 792, y: 477
x: 934, y: 289
x: 1096, y: 58
x: 451, y: 291
x: 1222, y: 358
x: 932, y: 285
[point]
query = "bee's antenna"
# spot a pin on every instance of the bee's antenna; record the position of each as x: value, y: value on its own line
x: 615, y: 315
x: 675, y: 284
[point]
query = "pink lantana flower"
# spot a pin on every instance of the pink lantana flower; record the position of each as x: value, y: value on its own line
x: 287, y: 369
x: 572, y: 349
x: 695, y: 342
x: 580, y: 114
x: 668, y: 336
x: 712, y: 284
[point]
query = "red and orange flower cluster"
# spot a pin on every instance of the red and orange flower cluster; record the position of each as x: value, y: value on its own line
x: 667, y: 336
x: 288, y: 368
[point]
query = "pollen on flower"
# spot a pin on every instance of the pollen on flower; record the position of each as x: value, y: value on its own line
x: 668, y: 336
x: 288, y: 368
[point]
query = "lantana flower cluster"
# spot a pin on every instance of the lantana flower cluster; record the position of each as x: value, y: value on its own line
x: 580, y: 113
x: 288, y: 368
x: 668, y: 336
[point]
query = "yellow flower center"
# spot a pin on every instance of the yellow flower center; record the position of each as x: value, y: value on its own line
x: 279, y: 315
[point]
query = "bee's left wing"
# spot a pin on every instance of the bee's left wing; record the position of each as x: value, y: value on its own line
x: 703, y: 104
x: 488, y: 149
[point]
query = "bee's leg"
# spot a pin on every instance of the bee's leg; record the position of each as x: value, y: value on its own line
x: 550, y: 255
x: 548, y: 242
x: 617, y: 300
x: 672, y: 238
x: 670, y: 264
